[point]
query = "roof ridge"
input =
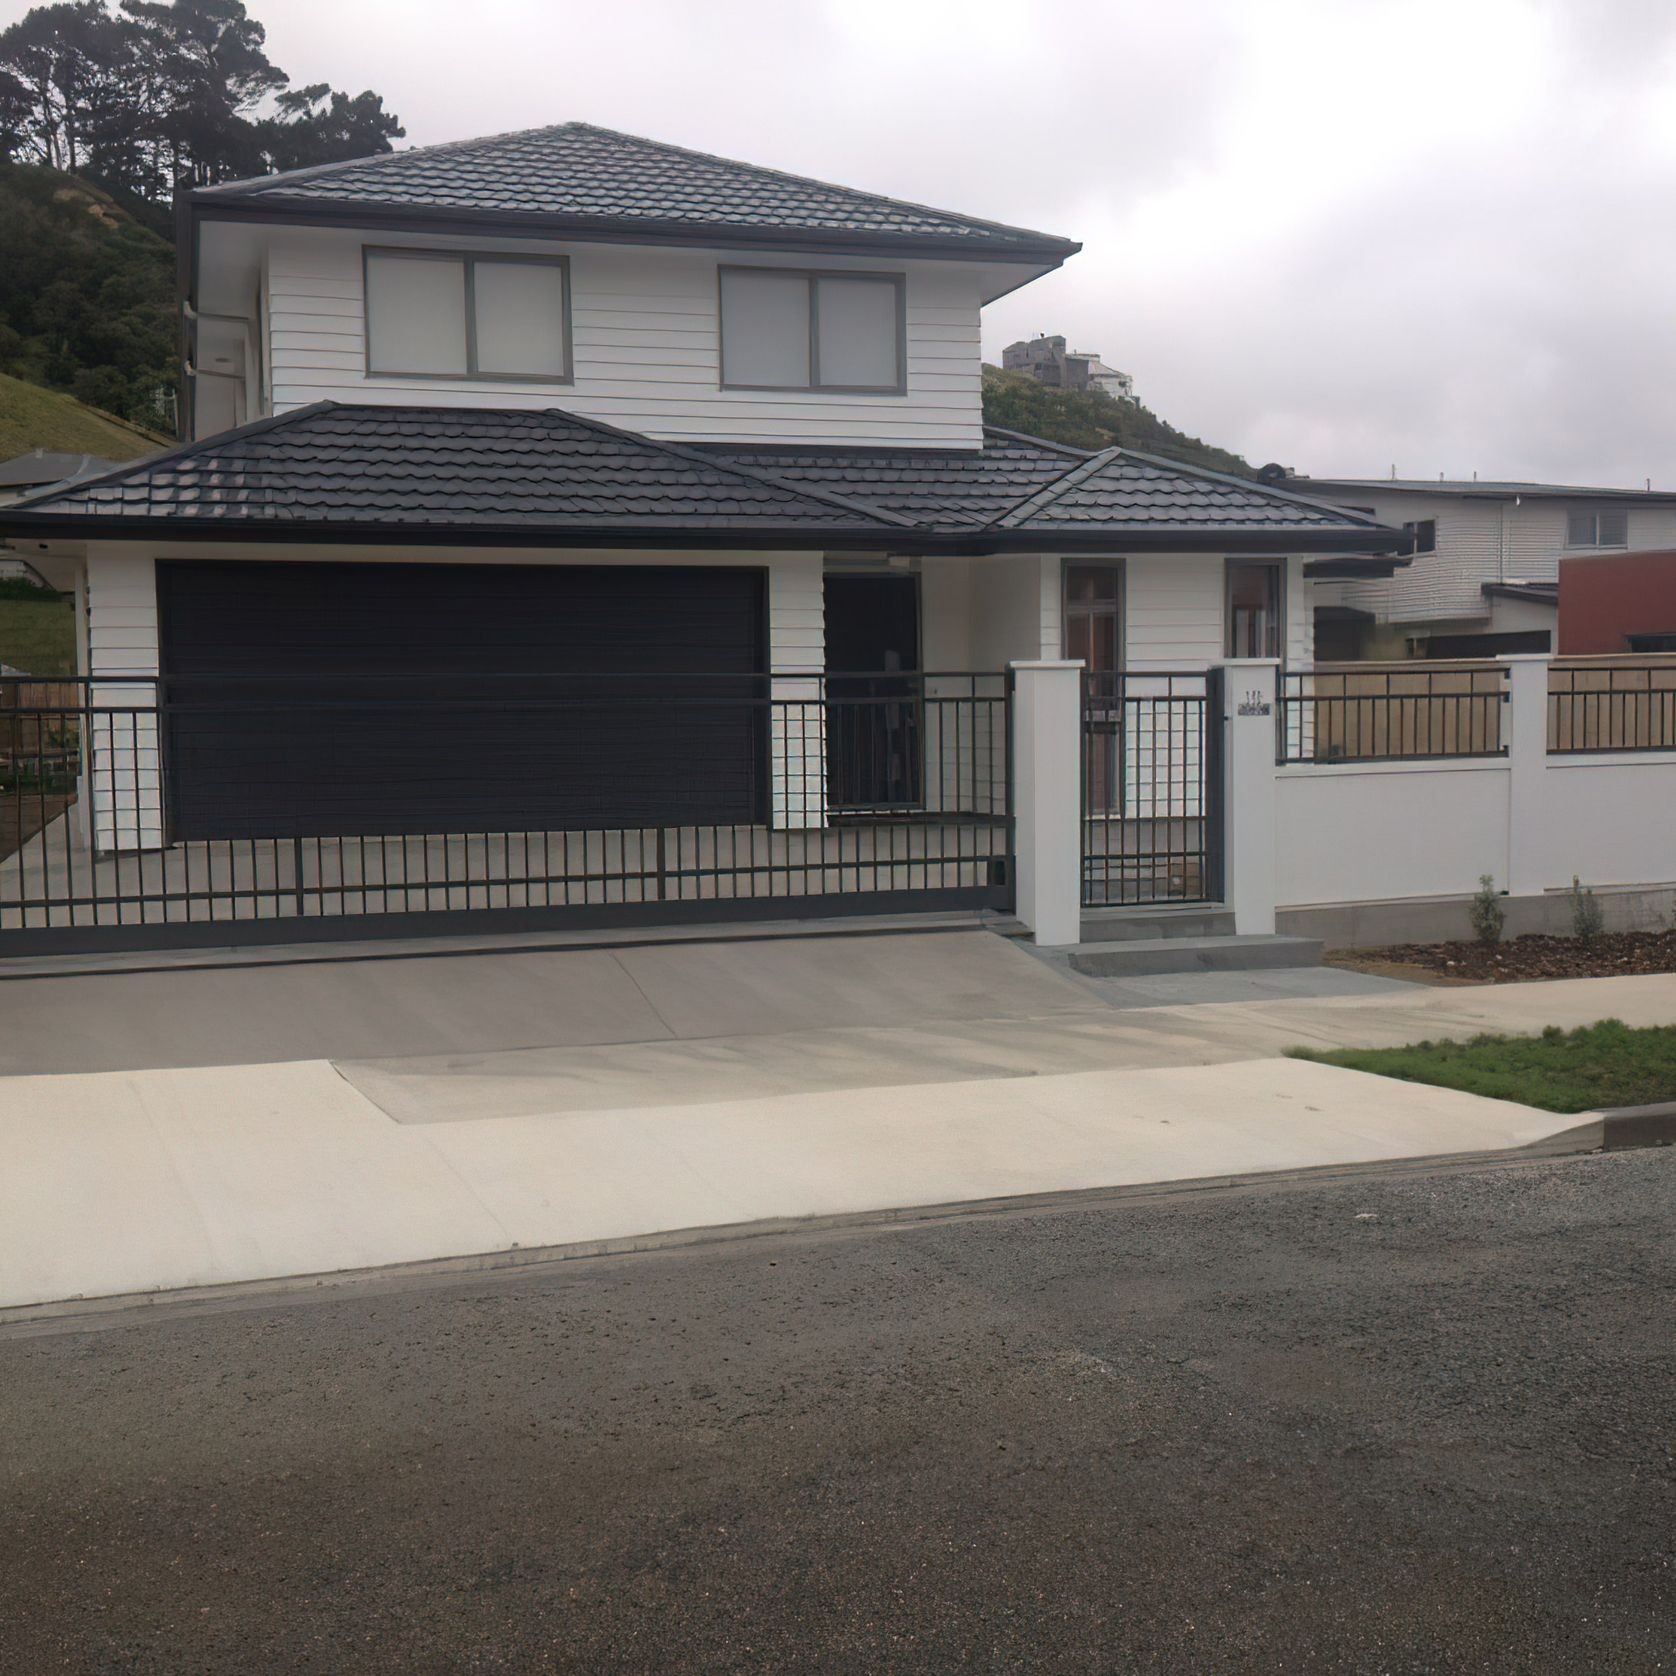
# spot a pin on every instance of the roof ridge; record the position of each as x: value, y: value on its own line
x: 764, y: 170
x: 187, y: 450
x: 1040, y: 441
x: 845, y: 503
x: 1050, y: 492
x: 259, y: 183
x: 1255, y: 485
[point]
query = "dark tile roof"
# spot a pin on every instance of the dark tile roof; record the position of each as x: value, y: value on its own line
x: 942, y: 486
x: 452, y: 466
x: 553, y: 474
x: 1121, y: 490
x: 577, y: 172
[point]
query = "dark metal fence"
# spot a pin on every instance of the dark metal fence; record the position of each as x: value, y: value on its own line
x: 1391, y: 715
x: 150, y: 813
x: 1151, y: 787
x: 1595, y: 707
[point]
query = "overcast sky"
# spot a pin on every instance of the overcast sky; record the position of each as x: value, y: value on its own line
x: 1345, y: 234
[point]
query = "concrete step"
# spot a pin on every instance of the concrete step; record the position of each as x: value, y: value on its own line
x: 1140, y: 957
x: 1122, y: 925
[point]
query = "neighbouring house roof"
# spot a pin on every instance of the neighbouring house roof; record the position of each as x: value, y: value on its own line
x: 41, y: 465
x: 1535, y: 593
x: 1502, y: 490
x: 587, y: 178
x: 371, y: 473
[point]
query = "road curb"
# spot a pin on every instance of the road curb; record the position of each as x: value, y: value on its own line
x: 109, y: 1310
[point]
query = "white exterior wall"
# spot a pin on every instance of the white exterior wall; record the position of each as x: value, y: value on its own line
x: 646, y: 346
x: 123, y: 640
x: 1479, y: 541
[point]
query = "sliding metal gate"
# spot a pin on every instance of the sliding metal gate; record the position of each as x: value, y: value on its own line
x: 1151, y: 787
x: 836, y: 798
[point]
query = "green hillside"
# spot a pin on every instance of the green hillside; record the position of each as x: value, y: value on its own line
x: 1092, y: 419
x: 86, y: 295
x: 31, y: 417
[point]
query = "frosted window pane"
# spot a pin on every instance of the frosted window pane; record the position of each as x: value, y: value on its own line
x: 856, y: 320
x: 416, y: 315
x: 520, y: 319
x: 765, y: 329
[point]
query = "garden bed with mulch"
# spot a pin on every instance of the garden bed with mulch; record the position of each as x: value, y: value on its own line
x: 1613, y: 954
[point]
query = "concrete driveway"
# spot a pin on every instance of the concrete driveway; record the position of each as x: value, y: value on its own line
x: 197, y: 1127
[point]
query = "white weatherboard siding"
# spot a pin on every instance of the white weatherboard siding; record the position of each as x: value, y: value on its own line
x: 646, y: 346
x: 122, y: 638
x: 1536, y: 532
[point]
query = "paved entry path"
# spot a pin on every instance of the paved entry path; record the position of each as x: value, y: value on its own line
x: 184, y: 1128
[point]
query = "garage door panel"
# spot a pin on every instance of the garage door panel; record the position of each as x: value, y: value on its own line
x: 324, y: 699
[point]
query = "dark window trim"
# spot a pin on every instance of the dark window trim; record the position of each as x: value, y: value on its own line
x: 813, y: 276
x: 469, y: 259
x: 1279, y: 566
x: 1414, y: 526
x: 1121, y: 566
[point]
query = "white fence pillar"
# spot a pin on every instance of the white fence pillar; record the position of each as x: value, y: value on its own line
x: 1250, y: 691
x: 1527, y: 762
x: 1047, y: 798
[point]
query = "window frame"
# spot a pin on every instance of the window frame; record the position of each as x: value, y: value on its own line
x: 1594, y: 515
x: 1278, y: 568
x: 1413, y: 527
x: 469, y: 259
x: 812, y: 278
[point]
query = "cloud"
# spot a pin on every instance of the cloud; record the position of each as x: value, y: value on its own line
x: 1340, y: 233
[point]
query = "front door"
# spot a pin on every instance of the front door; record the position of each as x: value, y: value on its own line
x: 873, y: 738
x: 1094, y: 633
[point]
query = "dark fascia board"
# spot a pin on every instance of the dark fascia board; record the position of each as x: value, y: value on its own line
x: 1108, y: 541
x: 1487, y: 491
x: 1345, y: 568
x: 395, y: 218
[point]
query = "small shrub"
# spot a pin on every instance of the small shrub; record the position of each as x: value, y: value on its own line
x: 1588, y: 919
x: 1485, y: 913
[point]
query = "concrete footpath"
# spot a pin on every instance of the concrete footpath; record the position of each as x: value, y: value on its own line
x: 612, y: 1096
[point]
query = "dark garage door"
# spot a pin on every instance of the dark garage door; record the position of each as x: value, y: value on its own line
x: 322, y: 699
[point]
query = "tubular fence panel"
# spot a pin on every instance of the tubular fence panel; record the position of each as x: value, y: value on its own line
x: 1611, y: 706
x: 1151, y: 787
x: 1382, y: 714
x: 224, y: 808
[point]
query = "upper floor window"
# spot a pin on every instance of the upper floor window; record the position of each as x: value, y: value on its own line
x: 1424, y: 531
x: 432, y: 314
x: 788, y: 329
x: 1597, y: 529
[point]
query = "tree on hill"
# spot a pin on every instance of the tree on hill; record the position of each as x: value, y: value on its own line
x: 162, y: 92
x: 1092, y: 419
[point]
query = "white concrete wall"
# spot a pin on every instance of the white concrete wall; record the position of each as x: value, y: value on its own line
x: 1388, y: 831
x: 646, y: 346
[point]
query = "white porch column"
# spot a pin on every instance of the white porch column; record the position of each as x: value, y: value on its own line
x: 1526, y: 737
x: 1047, y: 798
x: 1250, y: 687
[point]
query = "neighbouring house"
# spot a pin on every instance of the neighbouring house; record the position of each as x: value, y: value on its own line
x: 1048, y: 361
x: 574, y: 526
x: 1617, y: 603
x: 29, y: 473
x: 1486, y: 569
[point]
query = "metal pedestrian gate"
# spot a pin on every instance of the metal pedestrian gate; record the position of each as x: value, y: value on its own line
x: 1151, y: 787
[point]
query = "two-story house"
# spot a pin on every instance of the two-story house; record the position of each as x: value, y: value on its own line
x: 1485, y: 573
x: 556, y: 483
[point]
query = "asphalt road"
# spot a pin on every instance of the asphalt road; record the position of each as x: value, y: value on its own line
x: 1413, y: 1422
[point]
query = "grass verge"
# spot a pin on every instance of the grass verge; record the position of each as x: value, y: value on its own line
x: 38, y: 632
x: 1605, y: 1064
